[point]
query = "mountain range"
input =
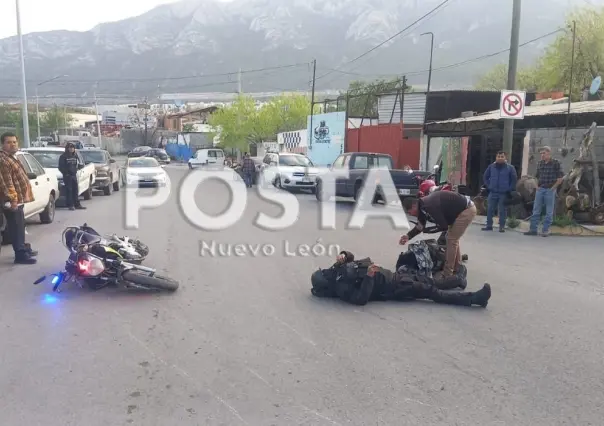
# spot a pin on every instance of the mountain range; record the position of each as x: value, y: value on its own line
x: 188, y: 46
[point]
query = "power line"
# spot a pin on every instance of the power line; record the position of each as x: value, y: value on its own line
x: 188, y: 77
x: 454, y: 65
x: 421, y: 18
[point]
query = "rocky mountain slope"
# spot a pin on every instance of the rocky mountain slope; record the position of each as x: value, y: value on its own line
x: 147, y: 55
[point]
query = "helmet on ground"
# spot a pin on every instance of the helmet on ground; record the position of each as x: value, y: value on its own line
x: 426, y: 187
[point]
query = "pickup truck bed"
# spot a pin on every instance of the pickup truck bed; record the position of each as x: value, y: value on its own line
x: 359, y: 165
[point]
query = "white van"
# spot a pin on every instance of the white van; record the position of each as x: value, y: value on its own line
x: 208, y: 157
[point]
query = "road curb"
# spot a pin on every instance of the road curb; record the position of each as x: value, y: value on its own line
x: 569, y: 231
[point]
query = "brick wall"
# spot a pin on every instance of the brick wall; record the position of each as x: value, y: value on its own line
x: 555, y: 139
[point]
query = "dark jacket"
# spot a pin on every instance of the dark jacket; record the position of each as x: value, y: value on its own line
x: 68, y: 163
x: 500, y: 178
x: 441, y: 208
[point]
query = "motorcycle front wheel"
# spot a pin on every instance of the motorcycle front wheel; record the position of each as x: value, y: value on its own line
x: 156, y: 282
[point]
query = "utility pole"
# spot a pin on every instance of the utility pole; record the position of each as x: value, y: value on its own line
x: 570, y: 86
x: 239, y: 89
x: 24, y: 111
x: 508, y: 125
x: 146, y: 107
x: 98, y: 124
x: 312, y: 101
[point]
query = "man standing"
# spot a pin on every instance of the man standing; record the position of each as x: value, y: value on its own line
x: 69, y: 165
x: 549, y: 175
x: 15, y: 191
x: 500, y: 179
x: 449, y: 211
x: 248, y: 168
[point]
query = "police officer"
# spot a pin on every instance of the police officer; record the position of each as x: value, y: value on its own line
x: 69, y: 164
x: 358, y: 282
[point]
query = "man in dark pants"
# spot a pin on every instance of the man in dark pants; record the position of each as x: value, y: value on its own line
x: 500, y: 179
x: 15, y: 191
x: 248, y: 168
x: 69, y: 166
x: 359, y: 282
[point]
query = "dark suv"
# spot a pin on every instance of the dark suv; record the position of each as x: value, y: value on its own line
x: 159, y: 154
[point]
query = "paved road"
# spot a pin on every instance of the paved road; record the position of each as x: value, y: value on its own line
x: 243, y: 341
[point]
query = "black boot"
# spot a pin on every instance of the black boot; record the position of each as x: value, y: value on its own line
x: 80, y: 207
x: 482, y: 296
x: 458, y: 298
x: 24, y: 258
x: 32, y: 253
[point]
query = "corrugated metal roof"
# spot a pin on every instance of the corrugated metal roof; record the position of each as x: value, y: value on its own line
x: 414, y: 105
x: 536, y: 111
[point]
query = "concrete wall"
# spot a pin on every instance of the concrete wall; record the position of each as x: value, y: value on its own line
x: 555, y: 139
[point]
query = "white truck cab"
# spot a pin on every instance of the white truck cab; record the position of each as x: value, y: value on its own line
x: 208, y: 157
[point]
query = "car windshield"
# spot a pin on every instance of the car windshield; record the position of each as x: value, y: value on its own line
x: 97, y: 157
x: 294, y: 160
x: 48, y: 159
x: 143, y: 162
x: 141, y: 148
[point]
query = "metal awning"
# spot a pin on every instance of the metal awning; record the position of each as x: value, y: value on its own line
x: 537, y: 116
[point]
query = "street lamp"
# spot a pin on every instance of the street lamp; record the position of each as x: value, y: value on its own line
x: 23, y: 82
x: 431, y: 34
x: 38, y: 99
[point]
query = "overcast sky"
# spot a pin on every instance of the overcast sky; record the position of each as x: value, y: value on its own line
x: 75, y: 15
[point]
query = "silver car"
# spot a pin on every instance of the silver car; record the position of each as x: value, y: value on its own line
x: 289, y: 171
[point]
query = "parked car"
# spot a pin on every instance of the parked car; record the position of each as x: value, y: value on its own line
x: 359, y: 164
x: 139, y: 151
x: 108, y: 172
x: 159, y: 154
x: 49, y: 159
x: 45, y: 188
x: 208, y: 158
x: 145, y: 171
x: 289, y: 171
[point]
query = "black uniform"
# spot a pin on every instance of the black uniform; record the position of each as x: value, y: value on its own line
x: 350, y: 283
x: 68, y: 166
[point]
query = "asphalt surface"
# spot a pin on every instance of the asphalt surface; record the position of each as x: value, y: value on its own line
x: 244, y: 342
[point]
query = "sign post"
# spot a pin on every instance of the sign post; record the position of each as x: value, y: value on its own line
x: 511, y: 105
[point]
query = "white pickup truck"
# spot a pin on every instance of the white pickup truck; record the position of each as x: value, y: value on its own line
x: 48, y: 157
x: 45, y: 188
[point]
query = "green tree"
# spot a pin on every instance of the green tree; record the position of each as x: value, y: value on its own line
x: 497, y: 78
x: 552, y: 70
x: 363, y: 96
x: 55, y: 118
x: 188, y: 127
x: 244, y: 122
x: 554, y: 65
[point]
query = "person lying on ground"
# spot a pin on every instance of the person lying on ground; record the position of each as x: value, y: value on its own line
x: 362, y: 281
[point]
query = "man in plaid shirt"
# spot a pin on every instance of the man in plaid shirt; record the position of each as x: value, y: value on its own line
x: 15, y: 191
x: 248, y: 168
x: 549, y: 175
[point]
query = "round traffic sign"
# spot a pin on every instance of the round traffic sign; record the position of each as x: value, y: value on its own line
x: 512, y: 104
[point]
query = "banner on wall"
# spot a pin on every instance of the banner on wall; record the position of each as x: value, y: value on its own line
x: 326, y: 138
x: 454, y: 157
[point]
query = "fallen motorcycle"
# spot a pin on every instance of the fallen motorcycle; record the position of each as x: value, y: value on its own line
x: 94, y: 263
x: 130, y: 249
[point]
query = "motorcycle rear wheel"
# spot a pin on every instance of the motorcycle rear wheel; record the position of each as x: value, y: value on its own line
x: 156, y: 282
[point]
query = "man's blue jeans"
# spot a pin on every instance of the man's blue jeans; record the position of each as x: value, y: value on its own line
x: 247, y: 178
x: 496, y: 201
x: 544, y: 197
